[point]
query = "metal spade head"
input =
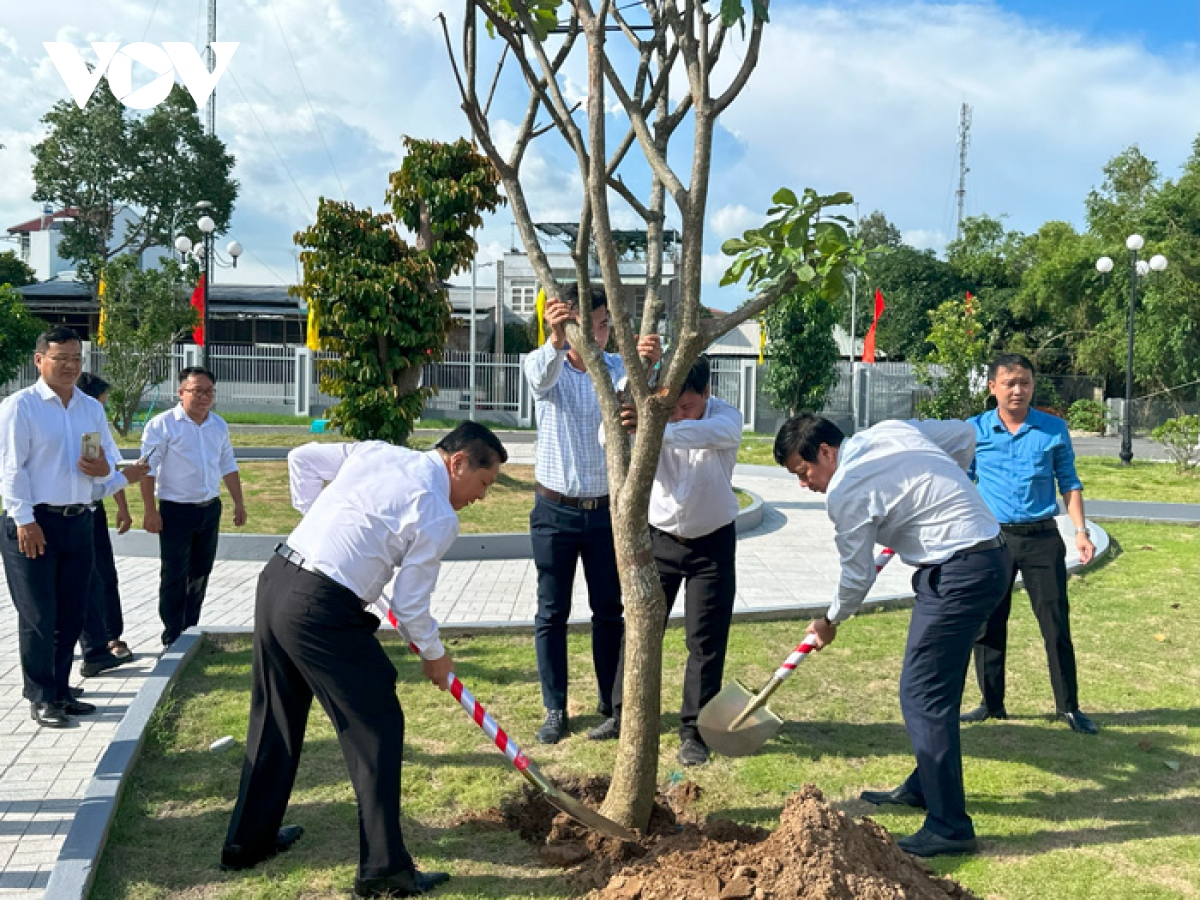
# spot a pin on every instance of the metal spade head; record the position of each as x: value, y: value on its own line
x: 576, y: 810
x: 720, y: 712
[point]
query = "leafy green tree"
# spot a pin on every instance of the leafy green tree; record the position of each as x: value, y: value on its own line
x: 381, y: 301
x: 803, y: 354
x: 914, y: 283
x: 19, y: 329
x: 959, y: 348
x: 13, y: 270
x: 144, y: 312
x: 877, y: 233
x: 104, y: 158
x: 1117, y: 209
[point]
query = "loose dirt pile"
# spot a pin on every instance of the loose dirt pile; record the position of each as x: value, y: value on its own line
x: 817, y: 853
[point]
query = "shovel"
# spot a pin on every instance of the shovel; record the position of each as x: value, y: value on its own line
x: 738, y: 723
x: 523, y: 763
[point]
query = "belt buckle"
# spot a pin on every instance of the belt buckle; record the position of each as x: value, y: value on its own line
x: 589, y: 503
x: 74, y: 509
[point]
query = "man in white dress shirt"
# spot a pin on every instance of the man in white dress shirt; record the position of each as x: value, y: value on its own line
x: 904, y: 485
x: 49, y: 486
x: 190, y: 455
x: 386, y: 518
x: 693, y: 531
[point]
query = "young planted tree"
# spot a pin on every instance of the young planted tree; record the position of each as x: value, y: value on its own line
x: 662, y: 42
x: 381, y: 301
x: 143, y: 313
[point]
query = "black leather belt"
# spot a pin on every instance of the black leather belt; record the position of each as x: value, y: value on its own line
x: 1021, y: 529
x: 203, y: 504
x: 71, y: 509
x: 282, y: 549
x: 576, y: 502
x: 989, y: 544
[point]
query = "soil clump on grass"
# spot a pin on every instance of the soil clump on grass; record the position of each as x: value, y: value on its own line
x: 816, y: 853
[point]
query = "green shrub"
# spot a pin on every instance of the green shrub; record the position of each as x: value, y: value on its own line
x: 1086, y: 415
x: 1180, y: 437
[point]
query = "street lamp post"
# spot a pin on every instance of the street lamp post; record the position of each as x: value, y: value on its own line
x: 1137, y: 268
x: 206, y: 256
x: 471, y: 366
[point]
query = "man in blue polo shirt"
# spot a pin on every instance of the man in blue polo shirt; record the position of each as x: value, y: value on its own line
x: 1020, y: 454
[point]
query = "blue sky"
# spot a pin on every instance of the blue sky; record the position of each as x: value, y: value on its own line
x: 858, y: 95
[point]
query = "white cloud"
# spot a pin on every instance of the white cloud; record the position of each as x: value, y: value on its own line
x: 732, y: 221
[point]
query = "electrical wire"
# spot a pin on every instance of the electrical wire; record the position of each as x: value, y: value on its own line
x: 308, y: 99
x: 278, y: 155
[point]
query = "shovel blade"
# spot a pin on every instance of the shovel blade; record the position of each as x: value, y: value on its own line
x: 720, y: 712
x: 576, y: 810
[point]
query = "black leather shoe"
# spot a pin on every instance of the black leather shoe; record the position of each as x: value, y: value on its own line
x: 235, y: 858
x: 554, y: 729
x: 76, y: 693
x: 981, y: 714
x: 78, y: 708
x: 402, y: 884
x: 50, y: 715
x: 1079, y: 722
x: 692, y: 752
x: 92, y: 668
x: 900, y: 796
x: 926, y: 843
x: 608, y: 730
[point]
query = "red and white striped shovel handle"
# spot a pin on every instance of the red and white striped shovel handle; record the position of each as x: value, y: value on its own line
x: 475, y: 710
x: 809, y: 644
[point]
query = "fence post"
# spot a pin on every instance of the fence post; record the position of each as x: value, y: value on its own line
x: 191, y: 355
x: 303, y: 363
x: 524, y: 399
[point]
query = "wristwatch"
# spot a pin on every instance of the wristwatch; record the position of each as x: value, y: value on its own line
x: 1083, y: 530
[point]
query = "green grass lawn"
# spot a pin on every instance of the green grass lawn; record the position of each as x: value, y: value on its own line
x: 1059, y: 815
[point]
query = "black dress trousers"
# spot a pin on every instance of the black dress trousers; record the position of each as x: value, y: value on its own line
x: 1041, y: 558
x: 51, y: 594
x: 187, y: 547
x: 313, y: 637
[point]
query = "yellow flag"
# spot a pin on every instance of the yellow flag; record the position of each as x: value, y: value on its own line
x: 101, y: 337
x: 314, y: 330
x: 762, y: 341
x: 540, y: 307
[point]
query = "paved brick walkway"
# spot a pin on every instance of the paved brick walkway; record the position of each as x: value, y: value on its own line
x: 789, y: 561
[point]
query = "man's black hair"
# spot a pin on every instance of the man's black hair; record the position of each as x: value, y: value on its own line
x: 1009, y: 361
x: 482, y: 447
x: 92, y: 385
x: 804, y: 434
x: 698, y: 378
x: 188, y: 371
x: 570, y: 296
x: 59, y: 334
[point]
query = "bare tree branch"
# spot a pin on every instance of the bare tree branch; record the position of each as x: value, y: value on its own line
x: 748, y: 64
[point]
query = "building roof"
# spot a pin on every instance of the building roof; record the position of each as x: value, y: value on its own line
x: 224, y: 299
x: 44, y: 221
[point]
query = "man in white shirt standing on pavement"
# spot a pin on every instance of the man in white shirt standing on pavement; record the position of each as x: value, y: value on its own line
x: 904, y: 485
x: 693, y: 532
x: 190, y: 455
x: 387, y: 516
x: 571, y: 521
x: 49, y: 484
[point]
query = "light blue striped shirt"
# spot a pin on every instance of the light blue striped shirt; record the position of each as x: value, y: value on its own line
x: 570, y: 459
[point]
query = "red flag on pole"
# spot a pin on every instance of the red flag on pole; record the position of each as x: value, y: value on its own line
x: 198, y: 303
x: 869, y: 341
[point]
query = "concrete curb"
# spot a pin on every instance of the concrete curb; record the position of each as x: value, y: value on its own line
x: 259, y: 547
x: 76, y: 865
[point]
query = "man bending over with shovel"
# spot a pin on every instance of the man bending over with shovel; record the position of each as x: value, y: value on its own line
x: 904, y: 485
x: 387, y: 515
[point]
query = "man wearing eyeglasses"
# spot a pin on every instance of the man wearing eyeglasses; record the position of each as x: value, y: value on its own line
x: 58, y: 459
x: 190, y: 455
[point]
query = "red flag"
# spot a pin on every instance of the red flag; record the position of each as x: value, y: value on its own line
x: 869, y: 341
x: 198, y: 303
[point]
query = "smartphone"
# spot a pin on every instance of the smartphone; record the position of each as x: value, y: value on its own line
x: 91, y: 445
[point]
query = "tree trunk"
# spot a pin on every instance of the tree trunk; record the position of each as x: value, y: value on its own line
x: 635, y: 773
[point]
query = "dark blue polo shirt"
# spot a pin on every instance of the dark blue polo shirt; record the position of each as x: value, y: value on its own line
x: 1016, y: 473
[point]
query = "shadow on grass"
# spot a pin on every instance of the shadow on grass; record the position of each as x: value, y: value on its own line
x: 171, y: 853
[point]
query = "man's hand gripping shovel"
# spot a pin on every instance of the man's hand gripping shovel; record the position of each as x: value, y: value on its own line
x: 520, y: 761
x: 738, y: 723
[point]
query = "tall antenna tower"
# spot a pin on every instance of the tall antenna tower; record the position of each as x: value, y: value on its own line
x: 964, y: 141
x: 210, y: 60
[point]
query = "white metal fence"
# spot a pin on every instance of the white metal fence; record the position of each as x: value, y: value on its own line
x: 500, y: 390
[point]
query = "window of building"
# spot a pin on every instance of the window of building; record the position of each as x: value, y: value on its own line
x: 524, y: 298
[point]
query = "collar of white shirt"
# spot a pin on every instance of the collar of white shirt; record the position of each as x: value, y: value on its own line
x: 48, y: 393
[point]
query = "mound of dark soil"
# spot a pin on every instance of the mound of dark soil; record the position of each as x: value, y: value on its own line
x: 817, y: 853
